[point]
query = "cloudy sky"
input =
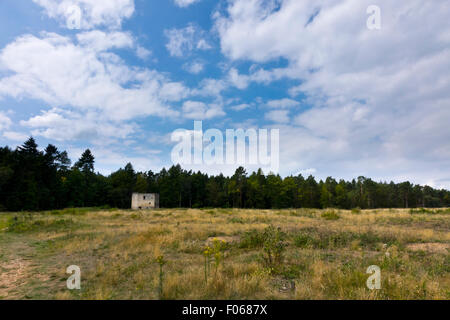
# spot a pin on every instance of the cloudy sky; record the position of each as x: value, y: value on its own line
x: 348, y: 100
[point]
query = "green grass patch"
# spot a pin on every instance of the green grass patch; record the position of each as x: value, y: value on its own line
x: 29, y: 223
x: 313, y: 238
x: 330, y: 215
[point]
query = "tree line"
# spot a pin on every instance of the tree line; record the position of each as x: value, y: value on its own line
x: 31, y: 179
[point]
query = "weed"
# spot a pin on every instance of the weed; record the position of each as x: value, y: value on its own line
x: 237, y: 220
x: 160, y: 260
x: 274, y: 247
x: 215, y: 251
x: 252, y: 239
x: 421, y: 211
x: 330, y: 215
x: 27, y: 223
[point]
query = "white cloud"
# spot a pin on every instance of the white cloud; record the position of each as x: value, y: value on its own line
x: 59, y: 72
x: 109, y: 159
x: 63, y: 125
x: 143, y: 53
x: 185, y: 3
x: 182, y: 42
x: 278, y: 116
x: 197, y: 110
x: 210, y: 87
x: 173, y: 91
x: 102, y: 41
x: 239, y: 81
x: 378, y: 101
x: 5, y: 121
x: 95, y: 85
x: 202, y: 44
x: 258, y: 75
x: 15, y: 136
x: 195, y: 67
x: 93, y: 13
x: 240, y: 107
x: 282, y: 103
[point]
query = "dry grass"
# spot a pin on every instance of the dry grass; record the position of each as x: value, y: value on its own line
x: 327, y: 255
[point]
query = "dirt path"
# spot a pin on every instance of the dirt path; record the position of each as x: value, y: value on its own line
x: 13, y: 274
x: 15, y: 268
x: 430, y: 247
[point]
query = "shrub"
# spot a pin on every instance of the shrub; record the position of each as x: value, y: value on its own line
x: 236, y: 220
x: 272, y: 242
x: 294, y: 271
x: 314, y: 238
x: 161, y: 261
x: 330, y: 215
x: 26, y: 223
x: 274, y: 246
x: 215, y: 251
x: 356, y: 210
x: 303, y: 240
x: 252, y: 239
x: 421, y: 211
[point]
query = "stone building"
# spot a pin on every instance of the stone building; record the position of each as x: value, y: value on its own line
x: 144, y: 201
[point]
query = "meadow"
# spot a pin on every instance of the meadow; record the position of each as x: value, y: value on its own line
x: 225, y: 253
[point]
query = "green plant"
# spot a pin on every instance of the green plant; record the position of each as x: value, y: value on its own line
x: 252, y: 239
x: 356, y: 210
x: 421, y: 211
x: 237, y: 220
x: 303, y: 240
x: 216, y: 250
x: 330, y: 215
x: 27, y: 223
x: 273, y: 247
x: 160, y: 260
x: 207, y: 253
x: 294, y: 271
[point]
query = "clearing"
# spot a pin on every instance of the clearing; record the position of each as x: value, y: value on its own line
x: 225, y: 254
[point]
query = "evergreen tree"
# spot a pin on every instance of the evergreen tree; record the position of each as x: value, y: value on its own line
x: 86, y: 162
x: 34, y: 180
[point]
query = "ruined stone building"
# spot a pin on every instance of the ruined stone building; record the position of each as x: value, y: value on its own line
x: 141, y: 201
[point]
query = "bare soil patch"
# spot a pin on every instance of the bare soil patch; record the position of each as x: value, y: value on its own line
x: 429, y: 247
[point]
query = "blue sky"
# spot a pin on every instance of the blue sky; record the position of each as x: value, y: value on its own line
x: 348, y: 101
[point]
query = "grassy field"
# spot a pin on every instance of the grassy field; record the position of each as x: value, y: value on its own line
x: 225, y: 254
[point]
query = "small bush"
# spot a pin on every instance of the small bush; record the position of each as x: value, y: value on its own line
x: 429, y: 211
x: 303, y: 240
x: 294, y: 271
x: 274, y: 246
x: 137, y: 216
x: 236, y: 220
x: 313, y: 238
x: 303, y: 213
x: 271, y: 241
x: 252, y: 239
x: 330, y: 215
x: 356, y: 210
x: 27, y: 223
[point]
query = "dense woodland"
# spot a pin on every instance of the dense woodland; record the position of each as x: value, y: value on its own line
x: 31, y: 179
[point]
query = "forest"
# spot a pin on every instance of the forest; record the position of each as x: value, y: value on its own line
x: 32, y: 180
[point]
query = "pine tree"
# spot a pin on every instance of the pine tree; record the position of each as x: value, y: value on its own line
x: 86, y: 162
